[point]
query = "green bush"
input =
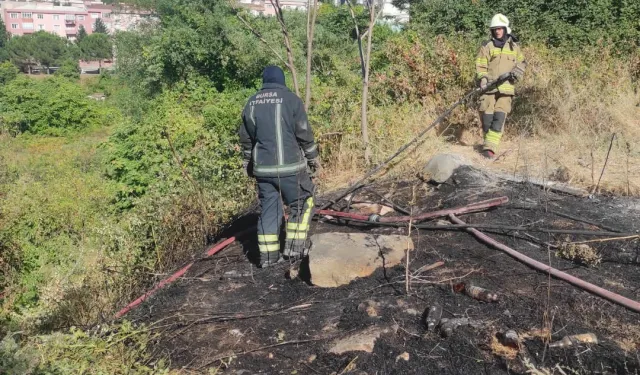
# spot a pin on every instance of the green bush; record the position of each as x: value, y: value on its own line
x: 52, y: 106
x: 112, y: 350
x: 565, y: 23
x: 8, y: 72
x: 69, y: 69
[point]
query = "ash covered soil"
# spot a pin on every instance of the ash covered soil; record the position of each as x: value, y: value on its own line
x: 228, y: 315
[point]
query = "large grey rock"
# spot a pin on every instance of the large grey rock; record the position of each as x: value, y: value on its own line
x: 440, y: 168
x: 338, y: 258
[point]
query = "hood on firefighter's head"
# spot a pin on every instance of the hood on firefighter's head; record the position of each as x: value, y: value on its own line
x: 273, y: 74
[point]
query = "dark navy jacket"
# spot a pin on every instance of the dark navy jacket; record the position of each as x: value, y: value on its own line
x: 275, y: 134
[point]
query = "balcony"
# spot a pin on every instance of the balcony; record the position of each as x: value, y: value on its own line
x: 69, y: 22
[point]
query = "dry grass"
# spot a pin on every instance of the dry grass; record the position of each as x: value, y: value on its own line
x: 560, y: 129
x: 626, y: 335
x: 581, y: 253
x: 501, y: 350
x: 536, y: 333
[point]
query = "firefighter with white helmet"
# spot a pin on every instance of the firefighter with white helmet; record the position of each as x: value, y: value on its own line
x: 498, y: 56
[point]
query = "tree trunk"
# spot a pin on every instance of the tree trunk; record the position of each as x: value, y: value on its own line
x: 311, y: 21
x: 287, y: 43
x: 365, y: 85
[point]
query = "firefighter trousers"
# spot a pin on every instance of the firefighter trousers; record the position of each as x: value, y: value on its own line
x: 494, y: 108
x: 297, y: 193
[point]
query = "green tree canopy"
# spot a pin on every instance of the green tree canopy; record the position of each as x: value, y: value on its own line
x: 82, y: 33
x: 49, y: 49
x: 100, y: 27
x: 69, y: 69
x: 8, y: 72
x: 39, y: 48
x: 4, y: 34
x: 96, y: 46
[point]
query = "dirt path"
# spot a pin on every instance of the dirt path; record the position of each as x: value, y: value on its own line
x: 227, y: 314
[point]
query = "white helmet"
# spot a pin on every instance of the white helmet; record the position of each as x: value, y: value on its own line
x: 500, y: 20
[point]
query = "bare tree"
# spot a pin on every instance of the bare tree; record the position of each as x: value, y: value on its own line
x: 311, y: 25
x: 287, y: 43
x: 365, y: 60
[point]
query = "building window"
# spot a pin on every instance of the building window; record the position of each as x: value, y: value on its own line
x: 70, y: 17
x: 56, y: 17
x: 27, y: 15
x: 27, y: 25
x: 106, y: 15
x: 15, y: 15
x: 80, y: 18
x: 14, y: 25
x: 40, y: 16
x: 40, y: 27
x: 95, y: 15
x: 56, y: 27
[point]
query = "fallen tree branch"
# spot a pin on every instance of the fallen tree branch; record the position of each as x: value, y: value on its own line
x: 613, y: 138
x: 474, y: 207
x: 605, y: 240
x: 496, y: 227
x: 428, y: 267
x: 571, y: 217
x: 551, y: 185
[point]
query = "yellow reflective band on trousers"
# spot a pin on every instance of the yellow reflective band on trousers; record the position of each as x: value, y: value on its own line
x: 298, y: 231
x: 293, y: 235
x: 268, y: 243
x: 265, y: 238
x: 492, y: 140
x: 268, y: 248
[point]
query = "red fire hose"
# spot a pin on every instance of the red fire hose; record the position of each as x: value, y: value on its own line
x: 210, y: 252
x: 474, y: 207
x: 479, y: 206
x: 613, y: 297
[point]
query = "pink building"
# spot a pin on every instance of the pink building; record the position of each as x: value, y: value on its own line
x: 65, y: 20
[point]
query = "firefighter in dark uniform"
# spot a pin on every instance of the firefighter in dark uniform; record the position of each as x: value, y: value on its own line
x: 278, y: 146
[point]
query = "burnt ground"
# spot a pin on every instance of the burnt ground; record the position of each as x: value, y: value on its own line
x: 225, y: 306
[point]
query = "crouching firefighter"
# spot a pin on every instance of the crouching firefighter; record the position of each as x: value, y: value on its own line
x: 278, y: 146
x: 498, y: 56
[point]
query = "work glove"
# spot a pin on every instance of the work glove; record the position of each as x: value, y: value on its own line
x: 517, y: 73
x: 483, y: 83
x: 315, y: 166
x: 246, y: 165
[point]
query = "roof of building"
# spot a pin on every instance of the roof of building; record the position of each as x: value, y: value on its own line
x: 100, y: 6
x: 45, y: 7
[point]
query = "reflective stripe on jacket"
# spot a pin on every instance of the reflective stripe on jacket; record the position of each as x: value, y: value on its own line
x: 492, y: 62
x: 275, y: 134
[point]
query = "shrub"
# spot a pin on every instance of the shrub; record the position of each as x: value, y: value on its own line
x: 53, y: 106
x: 8, y: 72
x: 69, y: 69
